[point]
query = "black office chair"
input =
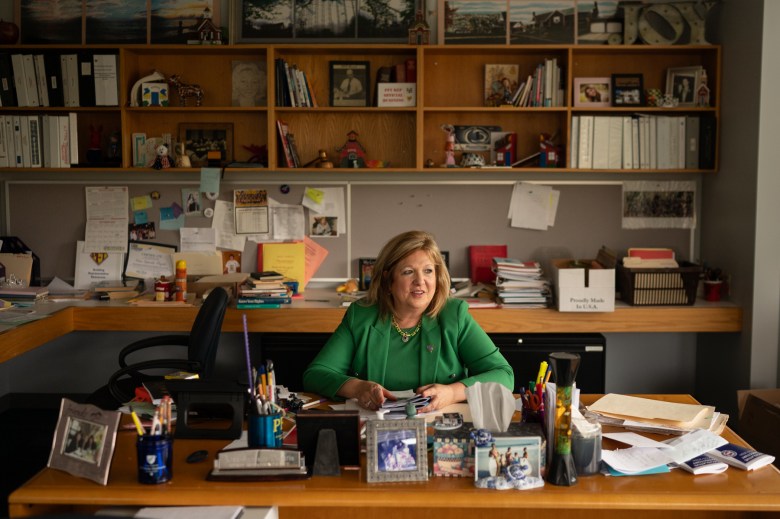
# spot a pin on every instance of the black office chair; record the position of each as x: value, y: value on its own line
x: 201, y: 344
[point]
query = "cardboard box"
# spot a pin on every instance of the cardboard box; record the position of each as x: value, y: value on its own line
x: 759, y: 420
x: 584, y: 289
x: 454, y: 451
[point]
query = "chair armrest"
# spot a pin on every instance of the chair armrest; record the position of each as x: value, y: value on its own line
x: 151, y: 342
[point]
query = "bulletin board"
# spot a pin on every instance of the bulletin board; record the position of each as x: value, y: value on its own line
x: 50, y: 218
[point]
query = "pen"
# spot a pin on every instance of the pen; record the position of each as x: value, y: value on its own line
x: 313, y: 403
x: 542, y: 372
x: 248, y: 360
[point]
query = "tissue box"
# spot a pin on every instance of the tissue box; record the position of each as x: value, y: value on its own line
x: 577, y: 293
x: 455, y: 455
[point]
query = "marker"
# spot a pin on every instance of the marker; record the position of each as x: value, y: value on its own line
x: 137, y: 423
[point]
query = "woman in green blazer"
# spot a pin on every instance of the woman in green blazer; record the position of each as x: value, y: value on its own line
x: 407, y: 333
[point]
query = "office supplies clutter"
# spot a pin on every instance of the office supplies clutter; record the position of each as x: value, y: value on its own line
x: 155, y: 458
x: 491, y: 404
x: 704, y: 464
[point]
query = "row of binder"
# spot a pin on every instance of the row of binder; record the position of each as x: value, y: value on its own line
x: 34, y: 141
x: 49, y: 79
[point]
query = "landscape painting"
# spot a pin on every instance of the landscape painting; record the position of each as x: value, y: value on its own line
x: 177, y: 21
x: 50, y: 21
x: 542, y: 23
x: 110, y: 22
x: 468, y: 22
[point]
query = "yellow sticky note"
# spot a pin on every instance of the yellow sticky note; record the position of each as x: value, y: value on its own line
x: 315, y: 194
x: 287, y: 258
x: 141, y: 202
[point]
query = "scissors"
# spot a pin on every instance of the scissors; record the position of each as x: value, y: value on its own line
x: 532, y: 400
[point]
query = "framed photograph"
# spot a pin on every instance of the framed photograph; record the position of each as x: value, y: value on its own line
x: 681, y: 83
x: 365, y: 272
x: 200, y: 138
x: 323, y: 226
x: 627, y: 90
x: 515, y: 456
x: 84, y: 441
x: 349, y: 83
x: 396, y: 450
x: 591, y: 92
x: 329, y: 22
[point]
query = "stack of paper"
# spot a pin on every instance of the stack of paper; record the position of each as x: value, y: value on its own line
x: 521, y: 283
x: 657, y: 416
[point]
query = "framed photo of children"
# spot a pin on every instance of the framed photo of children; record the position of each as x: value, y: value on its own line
x: 350, y: 83
x: 591, y: 92
x: 627, y: 90
x: 84, y: 441
x: 201, y: 138
x: 396, y: 450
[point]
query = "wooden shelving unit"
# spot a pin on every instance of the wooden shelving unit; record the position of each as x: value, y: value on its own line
x: 450, y: 90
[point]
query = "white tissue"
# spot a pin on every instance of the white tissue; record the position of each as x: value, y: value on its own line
x: 492, y: 406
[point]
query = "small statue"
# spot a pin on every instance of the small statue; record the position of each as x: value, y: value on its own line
x: 162, y: 160
x: 449, y: 147
x: 186, y: 91
x: 182, y: 159
x: 352, y: 154
x: 703, y: 92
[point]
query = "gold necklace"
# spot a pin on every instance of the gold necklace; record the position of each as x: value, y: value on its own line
x: 405, y: 336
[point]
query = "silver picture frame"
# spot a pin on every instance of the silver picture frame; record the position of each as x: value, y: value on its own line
x: 84, y: 441
x: 396, y: 450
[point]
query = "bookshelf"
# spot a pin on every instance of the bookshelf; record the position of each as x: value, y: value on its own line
x: 450, y: 90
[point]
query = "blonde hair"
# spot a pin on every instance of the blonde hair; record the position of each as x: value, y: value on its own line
x: 391, y: 254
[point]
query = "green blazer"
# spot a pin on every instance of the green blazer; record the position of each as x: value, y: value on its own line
x: 453, y: 348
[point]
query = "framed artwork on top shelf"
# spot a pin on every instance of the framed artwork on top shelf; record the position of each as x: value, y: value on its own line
x: 682, y: 82
x: 627, y: 90
x: 592, y: 92
x: 329, y: 22
x: 350, y: 83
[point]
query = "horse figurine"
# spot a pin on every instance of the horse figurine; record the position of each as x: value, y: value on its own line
x: 185, y: 91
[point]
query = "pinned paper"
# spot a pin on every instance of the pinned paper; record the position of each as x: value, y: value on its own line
x: 177, y: 210
x: 313, y: 198
x: 173, y: 224
x: 209, y: 180
x: 140, y: 217
x: 191, y: 200
x: 140, y: 202
x: 532, y: 206
x: 168, y: 213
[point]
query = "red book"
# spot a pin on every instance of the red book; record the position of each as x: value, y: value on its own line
x: 481, y: 262
x: 411, y: 70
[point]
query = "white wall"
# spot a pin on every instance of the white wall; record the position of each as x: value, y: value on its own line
x: 765, y: 361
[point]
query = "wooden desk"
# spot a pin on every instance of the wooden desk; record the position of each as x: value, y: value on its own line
x: 734, y: 493
x: 304, y: 316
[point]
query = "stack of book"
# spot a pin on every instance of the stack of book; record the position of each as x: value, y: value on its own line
x: 521, y: 284
x: 292, y: 86
x: 263, y: 293
x: 22, y: 295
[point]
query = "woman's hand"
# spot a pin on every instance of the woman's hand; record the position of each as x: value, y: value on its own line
x: 442, y: 395
x: 369, y: 395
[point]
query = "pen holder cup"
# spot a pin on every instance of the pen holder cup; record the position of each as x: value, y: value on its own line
x: 155, y: 458
x: 264, y: 430
x: 532, y: 415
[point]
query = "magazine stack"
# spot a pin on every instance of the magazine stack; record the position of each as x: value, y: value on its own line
x: 521, y: 284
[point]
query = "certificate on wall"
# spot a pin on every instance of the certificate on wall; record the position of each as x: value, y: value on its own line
x: 250, y: 207
x: 149, y: 260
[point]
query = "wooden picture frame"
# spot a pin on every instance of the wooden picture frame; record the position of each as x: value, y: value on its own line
x: 627, y: 90
x: 350, y: 83
x: 199, y: 138
x: 396, y: 450
x: 682, y: 84
x: 84, y: 441
x: 592, y: 92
